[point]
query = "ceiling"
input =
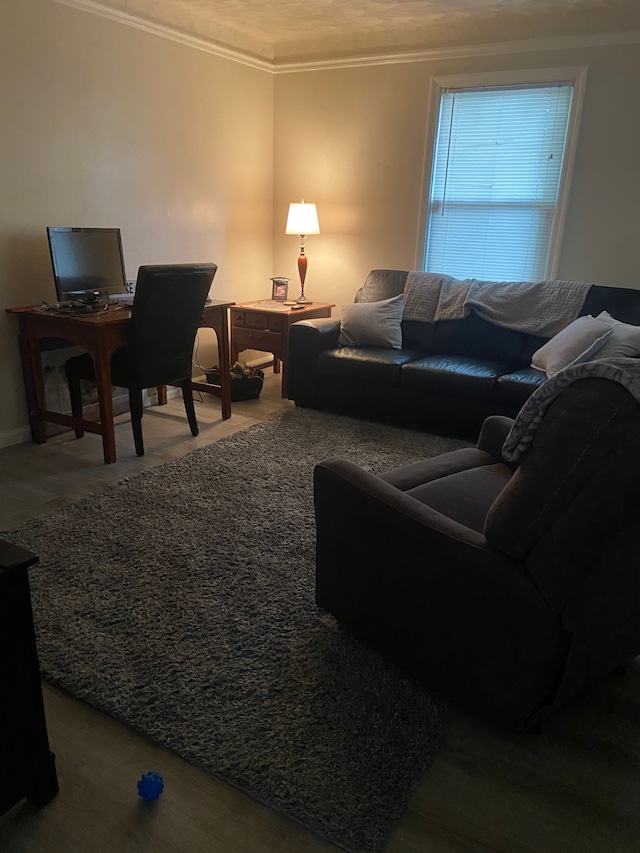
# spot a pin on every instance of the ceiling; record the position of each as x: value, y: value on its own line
x: 282, y: 31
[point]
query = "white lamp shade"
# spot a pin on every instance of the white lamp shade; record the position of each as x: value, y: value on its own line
x: 302, y: 219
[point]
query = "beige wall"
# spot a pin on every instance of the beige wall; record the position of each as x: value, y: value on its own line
x: 196, y: 157
x: 352, y: 140
x: 106, y: 125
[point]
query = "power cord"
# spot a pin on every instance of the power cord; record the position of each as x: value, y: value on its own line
x: 195, y: 360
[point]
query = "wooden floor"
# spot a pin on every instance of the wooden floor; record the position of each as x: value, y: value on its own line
x: 575, y: 787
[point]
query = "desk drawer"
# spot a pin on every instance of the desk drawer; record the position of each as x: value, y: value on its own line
x: 257, y: 339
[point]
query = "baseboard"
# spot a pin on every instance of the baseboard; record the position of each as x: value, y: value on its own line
x: 10, y: 437
x: 15, y: 436
x: 150, y: 395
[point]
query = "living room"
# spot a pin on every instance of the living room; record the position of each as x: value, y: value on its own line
x: 195, y: 153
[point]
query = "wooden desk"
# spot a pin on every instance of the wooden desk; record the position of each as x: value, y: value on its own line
x: 264, y: 326
x: 101, y: 334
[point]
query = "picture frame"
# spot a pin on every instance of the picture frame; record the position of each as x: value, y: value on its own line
x: 279, y: 288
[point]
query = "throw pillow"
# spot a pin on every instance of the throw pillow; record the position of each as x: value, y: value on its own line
x: 624, y: 342
x: 576, y: 343
x: 374, y: 324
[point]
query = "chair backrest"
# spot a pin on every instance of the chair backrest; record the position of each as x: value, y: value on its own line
x: 570, y: 512
x: 565, y: 511
x: 167, y: 310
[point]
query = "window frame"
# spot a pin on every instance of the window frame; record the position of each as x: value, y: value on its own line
x: 577, y: 75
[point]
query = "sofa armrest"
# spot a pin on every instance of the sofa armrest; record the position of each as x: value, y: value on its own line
x: 307, y: 339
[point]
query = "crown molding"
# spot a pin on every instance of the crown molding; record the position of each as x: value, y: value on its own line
x: 171, y: 33
x: 275, y: 67
x: 440, y: 53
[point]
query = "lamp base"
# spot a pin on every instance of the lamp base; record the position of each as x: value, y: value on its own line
x: 303, y: 300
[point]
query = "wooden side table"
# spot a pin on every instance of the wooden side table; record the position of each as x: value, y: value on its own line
x: 264, y: 326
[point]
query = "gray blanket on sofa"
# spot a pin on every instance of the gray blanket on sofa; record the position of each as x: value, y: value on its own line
x: 625, y: 371
x: 538, y: 308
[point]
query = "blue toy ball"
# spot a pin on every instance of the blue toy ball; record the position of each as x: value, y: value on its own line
x: 150, y: 786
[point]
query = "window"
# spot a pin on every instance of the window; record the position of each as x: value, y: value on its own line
x: 501, y: 154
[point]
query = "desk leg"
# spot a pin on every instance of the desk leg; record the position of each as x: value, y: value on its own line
x: 33, y: 384
x: 220, y: 325
x: 222, y: 333
x: 101, y: 361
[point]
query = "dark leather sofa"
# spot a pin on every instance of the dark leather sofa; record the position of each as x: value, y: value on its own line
x: 449, y: 375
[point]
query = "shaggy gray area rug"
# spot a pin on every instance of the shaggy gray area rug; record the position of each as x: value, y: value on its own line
x: 181, y: 602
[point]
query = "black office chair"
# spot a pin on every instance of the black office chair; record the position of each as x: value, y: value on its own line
x: 167, y: 309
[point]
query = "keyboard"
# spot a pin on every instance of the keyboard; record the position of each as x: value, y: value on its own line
x: 122, y: 298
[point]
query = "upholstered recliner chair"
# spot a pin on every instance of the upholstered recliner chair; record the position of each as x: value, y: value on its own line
x: 505, y: 576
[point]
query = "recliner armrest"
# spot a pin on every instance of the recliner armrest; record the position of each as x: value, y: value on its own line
x: 433, y: 596
x: 376, y: 542
x: 493, y: 434
x: 342, y: 475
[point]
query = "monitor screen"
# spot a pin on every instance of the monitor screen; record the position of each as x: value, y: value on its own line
x: 86, y: 262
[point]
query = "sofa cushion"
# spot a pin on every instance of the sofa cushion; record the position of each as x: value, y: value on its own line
x: 465, y: 496
x: 517, y: 386
x: 531, y: 344
x: 418, y: 335
x: 624, y: 341
x: 577, y: 342
x: 453, y: 375
x: 621, y: 302
x: 382, y: 284
x: 473, y: 336
x: 376, y: 324
x: 367, y: 364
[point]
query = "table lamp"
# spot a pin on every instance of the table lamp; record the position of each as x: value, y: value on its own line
x: 302, y: 220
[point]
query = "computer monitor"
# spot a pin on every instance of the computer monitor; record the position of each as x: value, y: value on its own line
x: 87, y: 263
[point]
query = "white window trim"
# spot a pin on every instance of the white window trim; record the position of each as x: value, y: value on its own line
x: 577, y: 75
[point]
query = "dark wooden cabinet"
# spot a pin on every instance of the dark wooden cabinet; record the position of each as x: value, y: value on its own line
x: 27, y: 767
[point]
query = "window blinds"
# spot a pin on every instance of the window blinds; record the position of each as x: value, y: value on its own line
x: 496, y: 171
